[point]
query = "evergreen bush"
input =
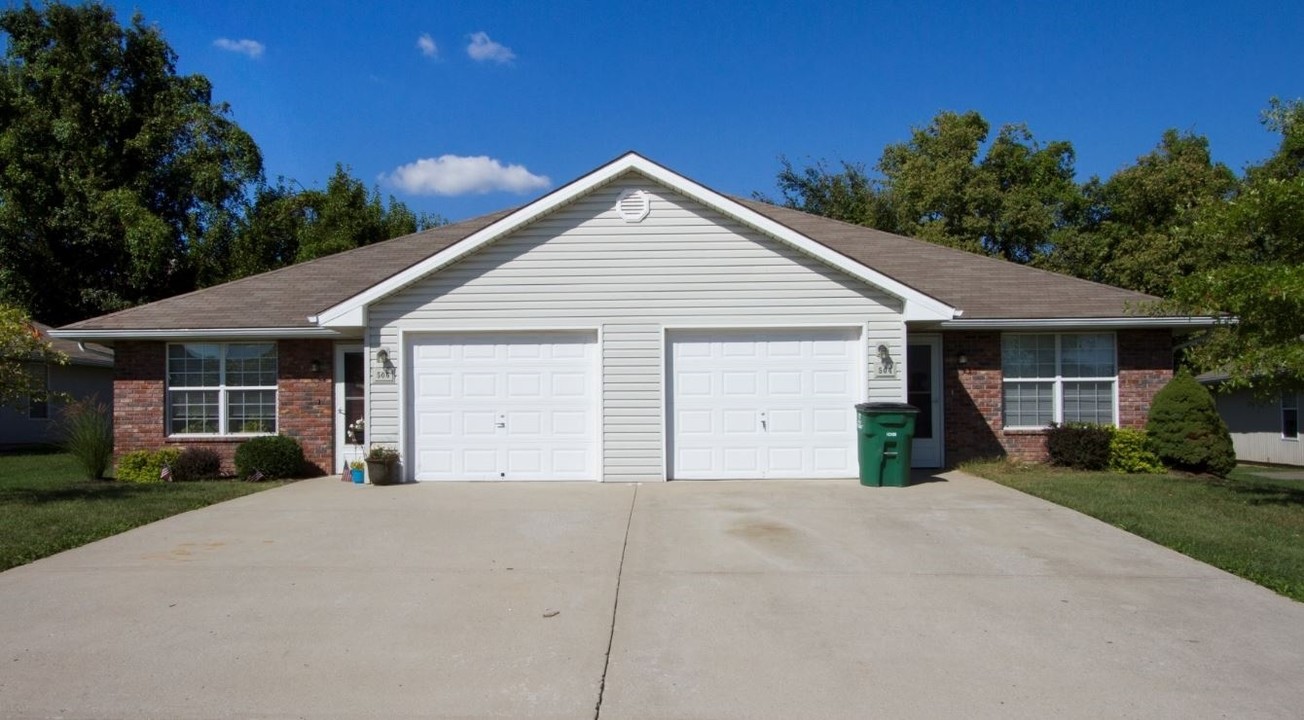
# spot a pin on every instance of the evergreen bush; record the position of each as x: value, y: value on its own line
x: 269, y: 458
x: 1185, y: 430
x: 146, y: 466
x: 1079, y: 445
x: 87, y: 429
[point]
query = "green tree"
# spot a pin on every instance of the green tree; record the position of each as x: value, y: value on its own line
x: 115, y: 171
x: 282, y: 226
x: 850, y: 195
x: 1257, y: 239
x: 22, y: 349
x: 346, y: 215
x: 1136, y: 229
x: 1009, y: 201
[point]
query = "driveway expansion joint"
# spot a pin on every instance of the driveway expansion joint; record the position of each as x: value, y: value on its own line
x: 615, y: 605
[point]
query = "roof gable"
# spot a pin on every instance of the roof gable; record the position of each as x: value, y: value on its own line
x: 351, y: 311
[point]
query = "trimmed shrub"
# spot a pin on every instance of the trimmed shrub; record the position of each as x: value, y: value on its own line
x: 197, y: 463
x: 1079, y: 445
x: 146, y: 466
x: 1185, y: 430
x: 1129, y: 453
x: 273, y: 457
x: 87, y: 429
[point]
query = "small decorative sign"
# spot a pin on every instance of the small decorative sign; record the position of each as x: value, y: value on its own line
x: 383, y: 371
x: 884, y: 365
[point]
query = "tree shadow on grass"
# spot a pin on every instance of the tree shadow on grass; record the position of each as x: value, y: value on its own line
x: 89, y: 490
x: 1257, y: 493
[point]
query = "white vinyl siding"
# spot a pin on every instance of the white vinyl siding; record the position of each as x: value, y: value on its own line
x: 583, y: 267
x: 1064, y: 378
x: 1259, y: 426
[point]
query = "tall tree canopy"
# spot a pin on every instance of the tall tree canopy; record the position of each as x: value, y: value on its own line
x: 115, y: 171
x: 1009, y: 201
x: 1136, y: 228
x: 1259, y: 276
x: 283, y: 226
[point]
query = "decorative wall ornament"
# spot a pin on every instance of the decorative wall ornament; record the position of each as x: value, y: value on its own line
x: 884, y: 365
x: 383, y: 371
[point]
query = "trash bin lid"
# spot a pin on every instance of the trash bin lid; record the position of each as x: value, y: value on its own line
x: 876, y: 408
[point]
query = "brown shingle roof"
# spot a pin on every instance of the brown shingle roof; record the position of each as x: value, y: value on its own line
x: 983, y: 287
x: 285, y: 298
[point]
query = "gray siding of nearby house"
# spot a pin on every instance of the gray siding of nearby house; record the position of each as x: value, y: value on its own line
x: 584, y: 267
x: 78, y: 381
x: 1255, y: 426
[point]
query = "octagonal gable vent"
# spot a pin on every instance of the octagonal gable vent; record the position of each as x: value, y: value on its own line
x: 633, y: 205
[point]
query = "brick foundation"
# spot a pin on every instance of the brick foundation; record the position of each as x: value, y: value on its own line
x: 973, y: 404
x: 305, y: 400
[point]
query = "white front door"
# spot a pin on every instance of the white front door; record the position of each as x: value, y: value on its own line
x: 764, y: 403
x: 924, y: 391
x: 504, y: 406
x: 350, y: 403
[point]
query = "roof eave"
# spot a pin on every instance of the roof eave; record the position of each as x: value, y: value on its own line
x: 100, y: 335
x: 1187, y: 322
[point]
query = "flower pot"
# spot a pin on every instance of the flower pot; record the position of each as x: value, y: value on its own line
x: 357, y: 475
x: 381, y: 472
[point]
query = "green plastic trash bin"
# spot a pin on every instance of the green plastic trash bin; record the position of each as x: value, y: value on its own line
x: 885, y: 430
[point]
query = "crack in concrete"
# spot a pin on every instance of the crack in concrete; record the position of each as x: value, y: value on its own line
x: 615, y: 605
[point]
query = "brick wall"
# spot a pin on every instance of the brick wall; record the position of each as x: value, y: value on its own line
x: 306, y: 401
x: 974, y: 426
x: 1145, y: 365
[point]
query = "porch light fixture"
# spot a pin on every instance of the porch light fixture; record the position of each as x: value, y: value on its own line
x: 962, y: 360
x: 316, y: 366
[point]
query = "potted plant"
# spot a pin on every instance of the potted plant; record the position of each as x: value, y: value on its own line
x: 355, y: 469
x: 380, y: 465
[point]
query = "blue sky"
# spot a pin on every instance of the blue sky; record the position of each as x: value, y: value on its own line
x: 520, y: 97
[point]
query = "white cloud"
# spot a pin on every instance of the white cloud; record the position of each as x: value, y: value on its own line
x: 464, y: 175
x: 426, y: 45
x: 252, y: 48
x: 483, y: 49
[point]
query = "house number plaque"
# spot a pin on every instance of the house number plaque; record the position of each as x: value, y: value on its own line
x: 383, y: 371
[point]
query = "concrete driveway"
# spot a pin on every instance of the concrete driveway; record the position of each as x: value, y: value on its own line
x: 955, y: 598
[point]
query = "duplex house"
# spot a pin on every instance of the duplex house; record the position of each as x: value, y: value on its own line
x: 634, y: 325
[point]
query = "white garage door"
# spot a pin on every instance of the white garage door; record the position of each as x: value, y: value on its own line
x: 499, y: 406
x: 756, y: 404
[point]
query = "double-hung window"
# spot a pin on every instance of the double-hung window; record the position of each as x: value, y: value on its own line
x: 1290, y: 415
x: 221, y: 388
x: 1058, y: 379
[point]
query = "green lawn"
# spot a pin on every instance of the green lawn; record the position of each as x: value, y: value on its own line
x: 45, y: 506
x: 1244, y: 524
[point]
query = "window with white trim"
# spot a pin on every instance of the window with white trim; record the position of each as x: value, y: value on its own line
x: 1058, y: 379
x: 1290, y: 415
x: 221, y: 388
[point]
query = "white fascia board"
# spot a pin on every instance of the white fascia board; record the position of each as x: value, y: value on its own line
x: 918, y: 306
x: 1082, y: 323
x: 199, y: 333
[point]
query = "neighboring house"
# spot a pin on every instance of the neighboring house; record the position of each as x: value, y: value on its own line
x: 635, y: 325
x: 1263, y: 430
x: 89, y: 373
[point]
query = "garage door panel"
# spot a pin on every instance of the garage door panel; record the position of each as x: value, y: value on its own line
x: 505, y: 406
x: 764, y: 403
